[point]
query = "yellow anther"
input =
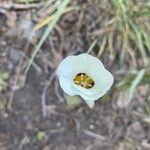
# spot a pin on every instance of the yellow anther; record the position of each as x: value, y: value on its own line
x: 83, y: 80
x: 82, y: 77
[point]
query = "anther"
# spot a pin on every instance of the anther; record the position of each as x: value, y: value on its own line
x: 83, y: 80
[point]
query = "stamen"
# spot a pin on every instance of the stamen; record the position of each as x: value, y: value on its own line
x: 90, y: 85
x: 83, y: 84
x: 83, y: 80
x: 87, y: 79
x: 77, y: 82
x: 82, y: 77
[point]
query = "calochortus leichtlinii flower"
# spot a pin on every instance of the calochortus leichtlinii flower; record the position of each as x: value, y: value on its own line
x: 86, y: 76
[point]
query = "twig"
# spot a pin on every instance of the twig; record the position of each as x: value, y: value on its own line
x: 18, y: 71
x: 80, y: 20
x: 97, y: 136
x: 54, y: 131
x: 57, y: 92
x: 48, y: 9
x: 16, y: 6
x: 61, y: 35
x: 100, y: 32
x: 43, y: 96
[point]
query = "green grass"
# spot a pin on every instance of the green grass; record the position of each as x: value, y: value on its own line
x: 49, y: 28
x: 129, y: 21
x: 26, y: 1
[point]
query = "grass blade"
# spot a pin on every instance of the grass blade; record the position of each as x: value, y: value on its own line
x: 50, y: 27
x: 135, y: 83
x: 91, y: 47
x: 102, y: 47
x: 140, y: 41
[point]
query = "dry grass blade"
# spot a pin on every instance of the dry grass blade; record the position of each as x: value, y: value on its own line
x: 50, y: 27
x: 91, y: 47
x: 50, y: 18
x: 16, y: 6
x: 102, y: 47
x: 97, y: 136
x: 138, y: 40
x: 132, y: 55
x: 135, y: 83
x: 124, y: 46
x: 110, y: 42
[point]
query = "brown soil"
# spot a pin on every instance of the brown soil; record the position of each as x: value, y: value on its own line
x: 109, y: 126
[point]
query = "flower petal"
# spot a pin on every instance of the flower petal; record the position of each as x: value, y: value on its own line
x: 83, y: 63
x: 66, y: 85
x: 90, y: 103
x: 93, y: 67
x: 103, y: 81
x: 70, y: 67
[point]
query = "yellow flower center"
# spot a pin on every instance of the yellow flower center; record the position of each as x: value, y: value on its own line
x: 83, y: 80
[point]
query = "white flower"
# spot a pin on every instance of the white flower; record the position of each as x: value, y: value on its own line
x: 86, y: 76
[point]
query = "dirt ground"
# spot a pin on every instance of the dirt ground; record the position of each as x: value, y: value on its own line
x: 113, y: 124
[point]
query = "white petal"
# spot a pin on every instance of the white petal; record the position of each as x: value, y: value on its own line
x: 70, y: 67
x: 105, y: 83
x: 66, y: 85
x: 90, y: 103
x: 83, y: 63
x: 90, y: 61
